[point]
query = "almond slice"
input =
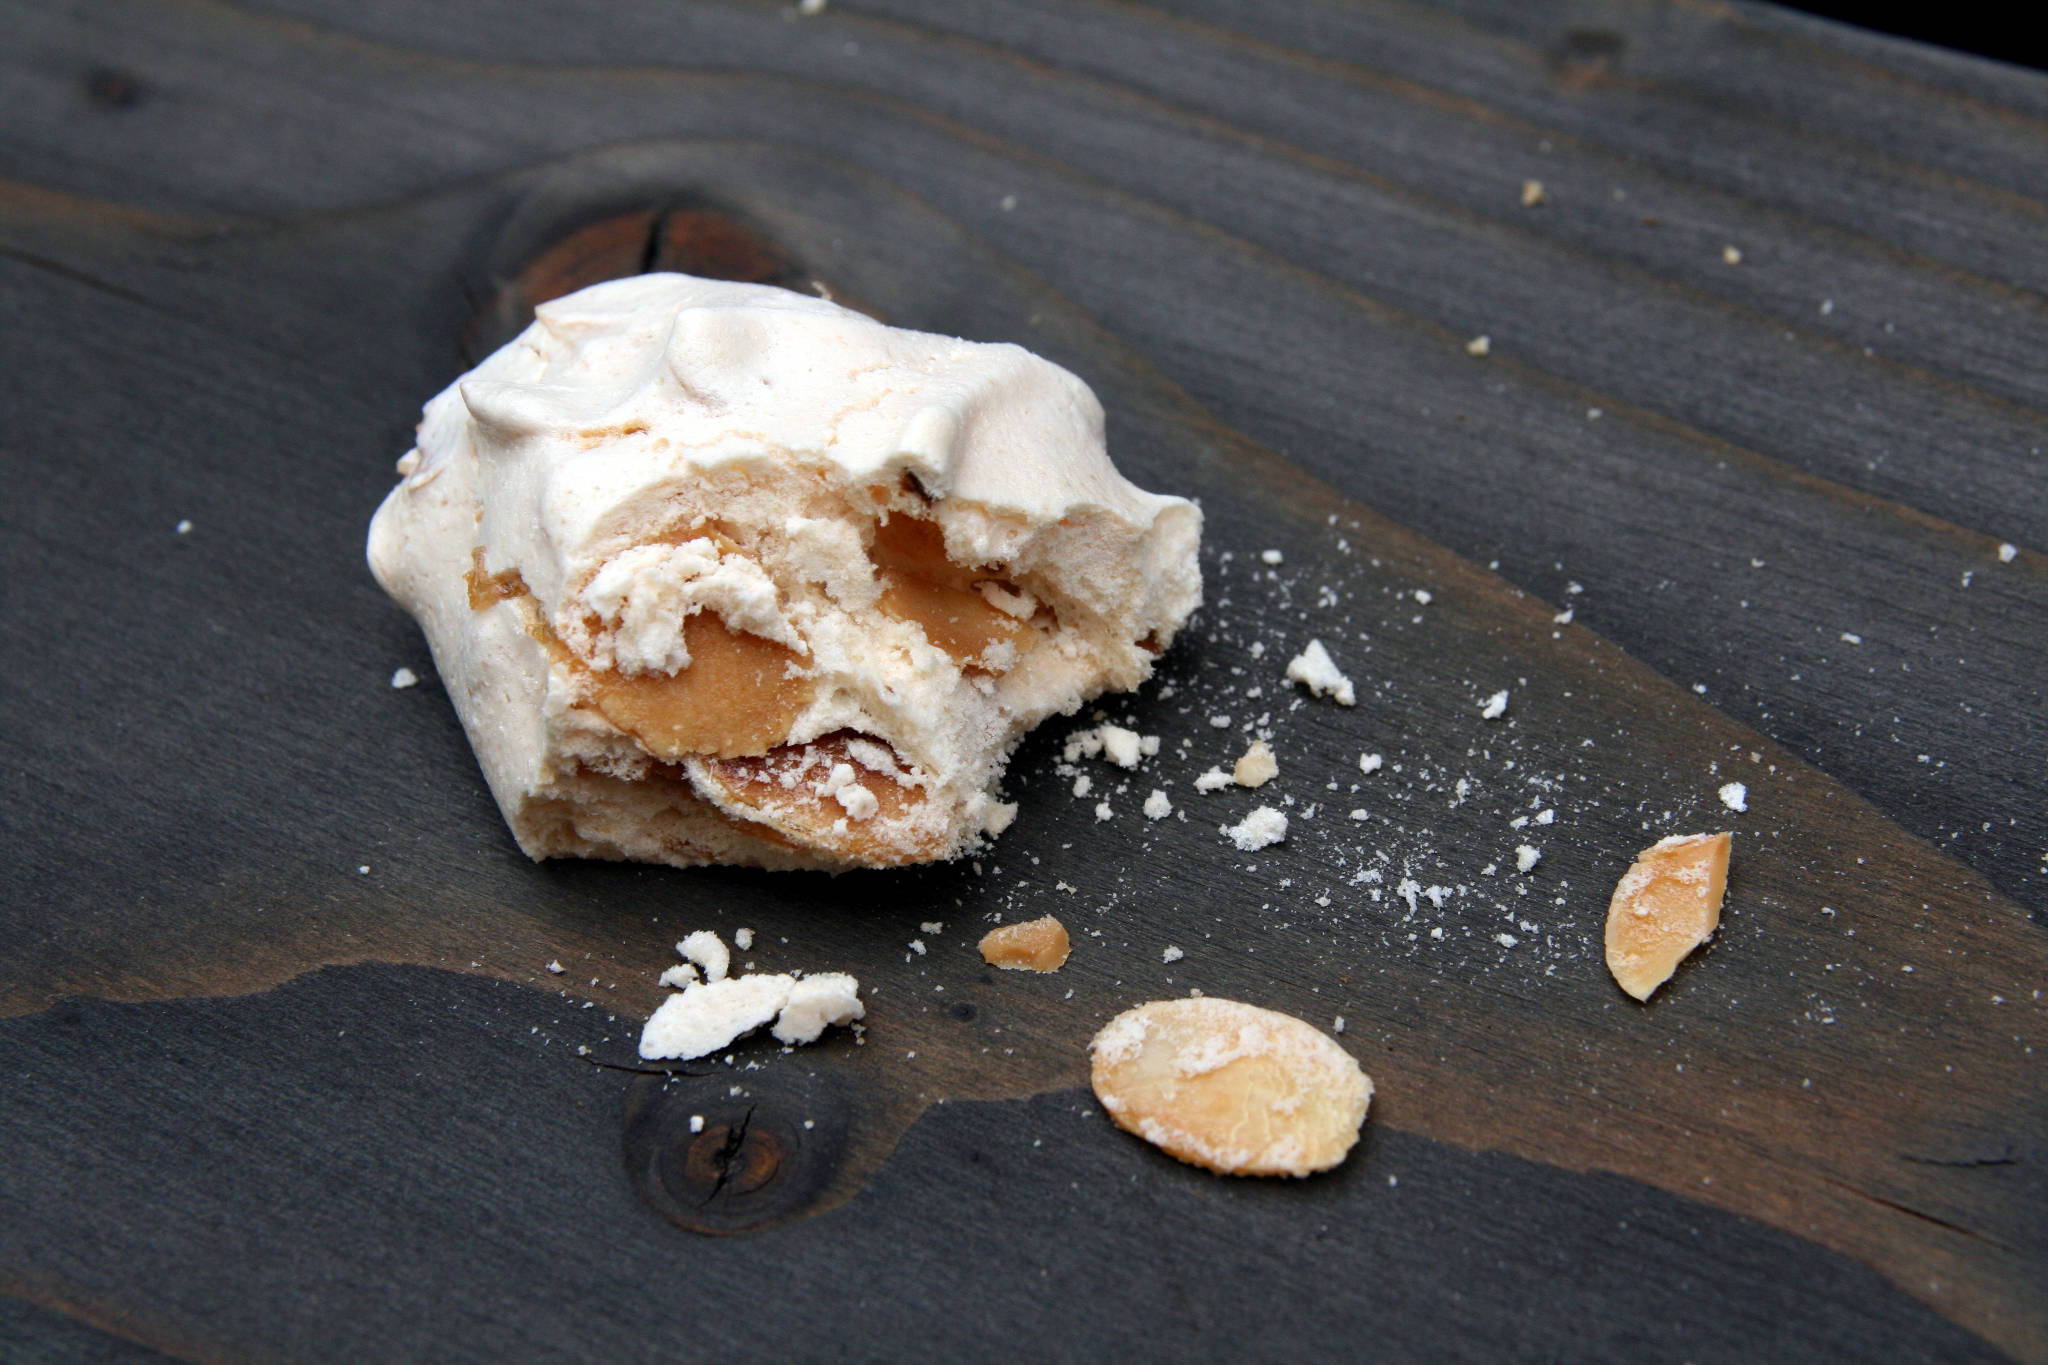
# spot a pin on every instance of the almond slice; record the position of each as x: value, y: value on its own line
x: 1666, y: 905
x: 1038, y: 945
x: 1230, y: 1087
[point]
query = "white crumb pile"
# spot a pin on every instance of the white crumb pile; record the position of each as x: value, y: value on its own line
x: 1125, y: 748
x: 1265, y: 826
x: 1735, y: 796
x: 712, y: 1013
x: 1314, y: 669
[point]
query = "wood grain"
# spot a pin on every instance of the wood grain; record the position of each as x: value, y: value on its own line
x: 1264, y: 238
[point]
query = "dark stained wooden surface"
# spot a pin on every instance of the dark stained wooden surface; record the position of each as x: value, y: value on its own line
x: 260, y: 1107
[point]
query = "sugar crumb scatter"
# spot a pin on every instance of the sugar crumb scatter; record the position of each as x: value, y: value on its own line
x: 1262, y: 828
x: 1526, y: 857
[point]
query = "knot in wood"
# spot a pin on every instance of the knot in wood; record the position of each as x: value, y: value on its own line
x: 716, y: 1162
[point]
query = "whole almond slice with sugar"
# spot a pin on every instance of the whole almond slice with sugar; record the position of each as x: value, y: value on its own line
x: 1231, y: 1087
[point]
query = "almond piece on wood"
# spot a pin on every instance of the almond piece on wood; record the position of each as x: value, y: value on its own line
x: 1038, y: 945
x: 1230, y: 1087
x: 1666, y: 905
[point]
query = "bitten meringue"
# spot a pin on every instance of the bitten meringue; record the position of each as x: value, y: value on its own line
x: 721, y: 573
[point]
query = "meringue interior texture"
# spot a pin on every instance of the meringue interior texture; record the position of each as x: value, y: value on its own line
x: 723, y: 573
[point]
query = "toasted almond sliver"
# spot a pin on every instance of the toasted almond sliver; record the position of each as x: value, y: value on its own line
x: 1231, y: 1087
x: 1666, y: 905
x: 1257, y: 767
x: 1038, y: 945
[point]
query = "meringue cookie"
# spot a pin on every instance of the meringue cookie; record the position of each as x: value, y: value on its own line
x: 721, y: 573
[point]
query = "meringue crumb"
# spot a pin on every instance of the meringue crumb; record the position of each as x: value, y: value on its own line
x: 1314, y: 669
x: 1735, y: 796
x: 1495, y: 706
x: 708, y: 951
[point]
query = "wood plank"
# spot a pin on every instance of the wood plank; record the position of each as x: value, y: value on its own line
x: 1844, y: 716
x: 1836, y: 171
x: 256, y: 374
x: 446, y: 1181
x: 1461, y: 1052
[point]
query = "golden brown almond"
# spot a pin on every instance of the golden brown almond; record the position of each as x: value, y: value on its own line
x: 738, y: 697
x: 1257, y: 766
x: 919, y: 583
x: 1038, y: 945
x: 1230, y: 1087
x: 1666, y: 905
